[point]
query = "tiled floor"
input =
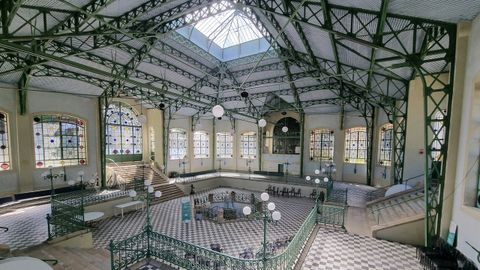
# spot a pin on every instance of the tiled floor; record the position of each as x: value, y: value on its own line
x: 234, y: 237
x: 27, y: 227
x: 335, y: 249
x: 331, y: 249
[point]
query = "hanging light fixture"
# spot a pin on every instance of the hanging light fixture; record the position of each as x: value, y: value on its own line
x: 218, y: 111
x: 262, y: 123
x: 285, y: 129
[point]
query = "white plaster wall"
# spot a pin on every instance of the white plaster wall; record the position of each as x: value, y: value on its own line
x: 25, y: 177
x: 9, y: 179
x: 464, y: 214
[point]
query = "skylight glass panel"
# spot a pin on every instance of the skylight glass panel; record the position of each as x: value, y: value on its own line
x: 228, y: 28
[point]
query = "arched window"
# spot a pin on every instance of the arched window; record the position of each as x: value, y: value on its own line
x: 201, y: 147
x: 321, y: 144
x: 439, y: 132
x: 386, y: 141
x: 5, y: 163
x: 356, y: 145
x: 286, y: 136
x: 60, y: 140
x: 124, y: 131
x: 248, y: 145
x: 177, y: 143
x: 224, y: 145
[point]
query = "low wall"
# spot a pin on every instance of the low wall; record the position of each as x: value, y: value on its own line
x: 409, y: 230
x: 241, y: 183
x: 80, y: 239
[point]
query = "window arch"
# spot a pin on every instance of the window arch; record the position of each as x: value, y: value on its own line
x: 286, y: 142
x: 60, y: 140
x: 439, y: 130
x: 356, y: 145
x: 386, y: 141
x: 5, y: 159
x: 224, y: 145
x: 248, y: 146
x: 321, y: 144
x: 124, y: 131
x: 177, y: 144
x: 201, y: 144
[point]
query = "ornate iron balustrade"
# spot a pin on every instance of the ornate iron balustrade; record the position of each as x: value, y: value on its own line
x: 150, y: 244
x: 338, y: 196
x: 331, y: 215
x: 66, y: 218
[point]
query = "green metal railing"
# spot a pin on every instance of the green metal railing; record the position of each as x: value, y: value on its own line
x: 65, y: 218
x: 339, y: 196
x: 150, y: 244
x: 332, y: 215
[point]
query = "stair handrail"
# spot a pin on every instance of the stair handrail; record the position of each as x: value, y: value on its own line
x: 377, y: 210
x: 371, y: 197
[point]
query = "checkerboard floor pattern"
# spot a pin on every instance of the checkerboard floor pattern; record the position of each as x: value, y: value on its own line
x: 27, y: 227
x: 334, y: 249
x: 233, y: 237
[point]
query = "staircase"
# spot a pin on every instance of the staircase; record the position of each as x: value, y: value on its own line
x: 400, y: 215
x: 401, y: 205
x: 128, y: 171
x: 70, y: 258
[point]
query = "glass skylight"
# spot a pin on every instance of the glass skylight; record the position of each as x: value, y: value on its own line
x: 228, y: 28
x: 228, y: 35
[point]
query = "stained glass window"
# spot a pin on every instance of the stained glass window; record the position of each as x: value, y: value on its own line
x: 248, y: 145
x: 439, y: 130
x: 177, y: 143
x: 356, y: 145
x: 124, y: 131
x: 386, y: 138
x: 60, y: 140
x: 321, y: 144
x: 201, y: 148
x: 224, y: 145
x: 5, y: 163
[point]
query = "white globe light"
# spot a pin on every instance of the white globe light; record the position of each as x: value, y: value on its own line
x: 71, y: 182
x: 325, y: 179
x: 247, y: 210
x: 150, y: 189
x: 271, y: 206
x: 142, y: 119
x: 323, y: 170
x: 308, y: 178
x: 218, y: 111
x: 148, y: 182
x: 317, y: 171
x: 285, y: 129
x: 264, y: 196
x: 92, y: 181
x: 132, y: 193
x: 262, y: 123
x: 81, y: 173
x: 317, y: 181
x: 158, y: 194
x: 276, y: 216
x: 334, y: 170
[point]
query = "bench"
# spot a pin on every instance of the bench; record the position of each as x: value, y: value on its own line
x: 126, y: 205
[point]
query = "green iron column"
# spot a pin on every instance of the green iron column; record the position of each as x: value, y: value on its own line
x: 260, y: 147
x: 302, y: 142
x: 102, y: 120
x: 438, y: 91
x: 370, y: 122
x: 166, y: 135
x: 399, y: 119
